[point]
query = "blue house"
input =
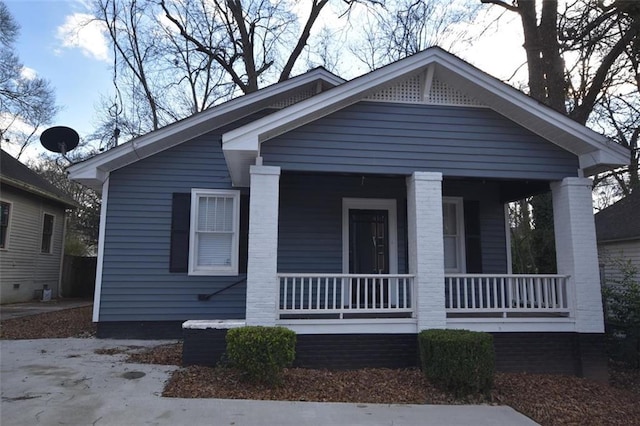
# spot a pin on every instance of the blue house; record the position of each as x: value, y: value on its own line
x: 356, y: 213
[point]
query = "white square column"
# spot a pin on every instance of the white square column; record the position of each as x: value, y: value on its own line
x: 426, y: 248
x: 576, y: 251
x: 262, y: 266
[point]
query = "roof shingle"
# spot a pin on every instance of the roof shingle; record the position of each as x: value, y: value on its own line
x: 620, y: 221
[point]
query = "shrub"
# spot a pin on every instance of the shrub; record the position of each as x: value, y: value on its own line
x: 261, y: 352
x: 459, y: 361
x: 621, y: 297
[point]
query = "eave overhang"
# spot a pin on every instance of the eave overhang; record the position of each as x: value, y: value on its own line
x: 94, y: 172
x: 594, y: 151
x: 67, y: 203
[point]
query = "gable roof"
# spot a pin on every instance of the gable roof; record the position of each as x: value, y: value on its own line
x: 17, y: 175
x: 94, y: 171
x: 241, y: 146
x: 619, y: 221
x: 595, y: 152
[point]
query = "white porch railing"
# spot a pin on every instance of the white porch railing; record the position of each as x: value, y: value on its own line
x: 343, y: 296
x: 508, y: 295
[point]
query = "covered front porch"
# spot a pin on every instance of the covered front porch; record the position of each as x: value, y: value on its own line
x: 437, y: 256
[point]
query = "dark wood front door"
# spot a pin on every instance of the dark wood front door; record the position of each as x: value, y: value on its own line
x: 368, y: 252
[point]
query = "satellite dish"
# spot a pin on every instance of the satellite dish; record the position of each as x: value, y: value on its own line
x: 59, y: 139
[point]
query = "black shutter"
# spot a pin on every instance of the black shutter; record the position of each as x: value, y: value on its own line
x: 243, y: 243
x: 473, y: 248
x: 180, y: 216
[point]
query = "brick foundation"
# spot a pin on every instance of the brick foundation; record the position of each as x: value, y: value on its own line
x: 553, y: 353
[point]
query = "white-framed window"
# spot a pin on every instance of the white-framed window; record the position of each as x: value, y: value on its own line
x: 5, y: 214
x: 48, y: 222
x: 214, y: 229
x: 453, y: 233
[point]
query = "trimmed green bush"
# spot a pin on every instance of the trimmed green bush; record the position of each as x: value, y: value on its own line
x: 261, y: 352
x: 459, y: 361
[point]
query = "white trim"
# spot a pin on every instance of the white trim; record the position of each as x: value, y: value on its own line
x: 388, y: 204
x: 428, y: 81
x: 352, y: 326
x: 507, y: 236
x: 6, y: 242
x: 591, y: 147
x: 232, y: 269
x: 462, y: 256
x: 213, y: 324
x: 501, y: 325
x: 93, y: 172
x: 100, y: 260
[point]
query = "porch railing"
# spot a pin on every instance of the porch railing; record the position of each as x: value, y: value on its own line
x: 507, y: 295
x: 343, y: 296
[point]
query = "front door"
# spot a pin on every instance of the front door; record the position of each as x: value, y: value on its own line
x: 368, y: 241
x: 368, y: 254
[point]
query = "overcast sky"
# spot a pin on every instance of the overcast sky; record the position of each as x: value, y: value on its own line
x: 58, y: 41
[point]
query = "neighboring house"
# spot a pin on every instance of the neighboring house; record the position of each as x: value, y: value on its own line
x: 356, y: 213
x: 618, y: 233
x: 32, y: 228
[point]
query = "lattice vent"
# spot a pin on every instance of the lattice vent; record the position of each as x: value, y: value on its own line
x: 407, y: 91
x: 441, y: 93
x: 297, y: 97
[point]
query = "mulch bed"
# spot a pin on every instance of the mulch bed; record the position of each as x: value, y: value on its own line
x: 51, y: 325
x: 547, y: 399
x: 381, y: 386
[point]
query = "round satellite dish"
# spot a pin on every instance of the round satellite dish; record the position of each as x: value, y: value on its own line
x: 59, y: 139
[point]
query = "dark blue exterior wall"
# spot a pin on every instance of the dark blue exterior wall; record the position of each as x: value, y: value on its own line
x: 136, y: 282
x: 310, y: 231
x: 364, y: 151
x: 393, y: 138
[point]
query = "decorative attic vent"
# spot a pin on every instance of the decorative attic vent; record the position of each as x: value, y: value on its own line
x: 297, y: 97
x: 411, y: 91
x: 407, y: 91
x: 441, y: 93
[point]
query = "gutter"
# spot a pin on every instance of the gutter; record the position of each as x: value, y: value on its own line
x: 37, y: 191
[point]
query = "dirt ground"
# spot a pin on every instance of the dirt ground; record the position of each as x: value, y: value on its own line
x: 547, y: 399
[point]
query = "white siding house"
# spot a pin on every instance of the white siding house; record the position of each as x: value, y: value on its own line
x: 32, y: 229
x: 618, y: 233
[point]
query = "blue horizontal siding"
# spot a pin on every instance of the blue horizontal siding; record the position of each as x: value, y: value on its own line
x: 310, y: 231
x: 391, y: 138
x: 492, y: 220
x: 136, y: 282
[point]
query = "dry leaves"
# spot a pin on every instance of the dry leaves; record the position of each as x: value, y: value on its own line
x: 547, y: 399
x: 51, y: 325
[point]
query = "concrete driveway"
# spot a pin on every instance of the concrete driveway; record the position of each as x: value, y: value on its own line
x: 63, y: 381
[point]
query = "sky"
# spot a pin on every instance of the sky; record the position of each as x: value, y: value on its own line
x: 59, y: 42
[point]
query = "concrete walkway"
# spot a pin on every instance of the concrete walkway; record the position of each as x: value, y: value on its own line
x: 17, y: 310
x: 63, y: 381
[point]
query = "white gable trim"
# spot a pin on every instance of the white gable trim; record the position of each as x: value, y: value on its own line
x: 244, y: 142
x: 94, y: 171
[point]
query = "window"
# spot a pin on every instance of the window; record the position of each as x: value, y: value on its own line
x: 213, y: 243
x: 5, y: 208
x: 47, y: 233
x: 453, y: 232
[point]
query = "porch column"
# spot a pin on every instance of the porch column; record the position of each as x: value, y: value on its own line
x: 262, y: 266
x: 576, y: 250
x: 426, y: 251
